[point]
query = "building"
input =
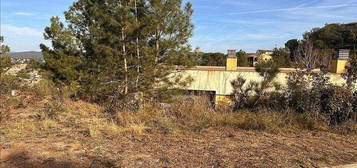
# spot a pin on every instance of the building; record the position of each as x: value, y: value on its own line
x: 253, y: 58
x: 267, y: 52
x: 216, y: 80
x: 340, y: 61
x: 260, y: 55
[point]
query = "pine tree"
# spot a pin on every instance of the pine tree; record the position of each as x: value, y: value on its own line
x: 121, y: 47
x: 5, y: 61
x: 3, y: 48
x: 281, y: 57
x: 7, y: 82
x: 63, y: 60
x: 242, y: 59
x: 213, y: 59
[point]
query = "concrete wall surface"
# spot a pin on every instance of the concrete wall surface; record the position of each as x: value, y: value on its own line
x: 218, y: 80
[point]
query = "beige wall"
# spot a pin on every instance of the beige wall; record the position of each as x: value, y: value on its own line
x: 218, y: 80
x: 264, y: 57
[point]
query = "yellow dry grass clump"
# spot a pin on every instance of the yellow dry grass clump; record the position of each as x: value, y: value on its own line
x: 58, y: 127
x: 197, y: 114
x: 67, y: 117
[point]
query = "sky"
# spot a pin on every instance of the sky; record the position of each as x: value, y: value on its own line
x: 219, y: 24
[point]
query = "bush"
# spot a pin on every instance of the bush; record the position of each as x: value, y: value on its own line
x: 44, y: 88
x: 8, y: 83
x: 307, y: 93
x: 240, y: 94
x: 315, y: 95
x: 258, y: 94
x: 337, y: 104
x: 297, y: 91
x: 23, y: 75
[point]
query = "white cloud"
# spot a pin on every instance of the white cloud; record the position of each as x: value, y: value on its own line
x: 273, y: 23
x: 11, y: 30
x: 261, y: 36
x: 290, y: 9
x: 24, y: 13
x: 238, y: 3
x: 22, y: 38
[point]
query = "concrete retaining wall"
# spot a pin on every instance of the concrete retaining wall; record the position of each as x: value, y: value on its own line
x: 217, y: 79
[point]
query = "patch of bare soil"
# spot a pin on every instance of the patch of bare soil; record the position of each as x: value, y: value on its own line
x: 212, y: 148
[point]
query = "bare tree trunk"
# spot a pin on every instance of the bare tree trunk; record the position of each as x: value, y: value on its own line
x: 137, y: 48
x: 157, y: 42
x: 125, y: 60
x: 125, y: 63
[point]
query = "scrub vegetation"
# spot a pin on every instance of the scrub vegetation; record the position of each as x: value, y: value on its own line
x: 110, y: 97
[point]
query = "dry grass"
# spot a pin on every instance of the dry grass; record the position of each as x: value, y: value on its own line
x: 196, y: 115
x: 44, y: 88
x: 187, y: 133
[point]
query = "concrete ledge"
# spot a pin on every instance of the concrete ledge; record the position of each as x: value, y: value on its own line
x: 239, y: 69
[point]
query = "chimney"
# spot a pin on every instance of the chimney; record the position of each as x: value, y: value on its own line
x: 339, y: 63
x: 231, y: 64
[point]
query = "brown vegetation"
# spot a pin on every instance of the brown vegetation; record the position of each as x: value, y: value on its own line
x: 54, y: 131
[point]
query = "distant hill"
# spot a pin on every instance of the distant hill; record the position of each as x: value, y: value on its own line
x: 26, y: 55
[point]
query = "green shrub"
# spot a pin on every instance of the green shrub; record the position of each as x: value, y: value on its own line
x: 307, y: 93
x: 23, y: 75
x: 337, y: 104
x: 315, y: 95
x: 8, y: 83
x: 258, y: 94
x: 44, y: 88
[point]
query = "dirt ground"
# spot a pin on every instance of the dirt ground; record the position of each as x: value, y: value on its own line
x: 64, y: 145
x: 213, y: 148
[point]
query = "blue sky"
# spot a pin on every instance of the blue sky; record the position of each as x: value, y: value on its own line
x: 219, y: 24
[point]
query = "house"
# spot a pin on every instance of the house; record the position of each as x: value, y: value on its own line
x: 260, y: 55
x: 253, y: 58
x: 216, y: 80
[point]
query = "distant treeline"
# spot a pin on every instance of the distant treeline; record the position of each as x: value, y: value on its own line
x: 219, y: 59
x: 325, y: 42
x: 26, y: 55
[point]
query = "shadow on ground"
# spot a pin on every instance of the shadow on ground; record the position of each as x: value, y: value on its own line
x: 22, y: 159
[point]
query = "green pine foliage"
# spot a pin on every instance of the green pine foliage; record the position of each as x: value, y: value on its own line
x: 3, y: 48
x: 292, y: 45
x: 63, y: 61
x: 326, y: 41
x: 331, y: 36
x: 334, y: 36
x: 213, y: 59
x: 5, y: 61
x: 7, y: 82
x: 119, y: 48
x: 242, y: 57
x: 281, y: 57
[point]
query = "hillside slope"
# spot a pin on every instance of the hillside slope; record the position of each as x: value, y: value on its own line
x: 79, y: 136
x: 27, y: 55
